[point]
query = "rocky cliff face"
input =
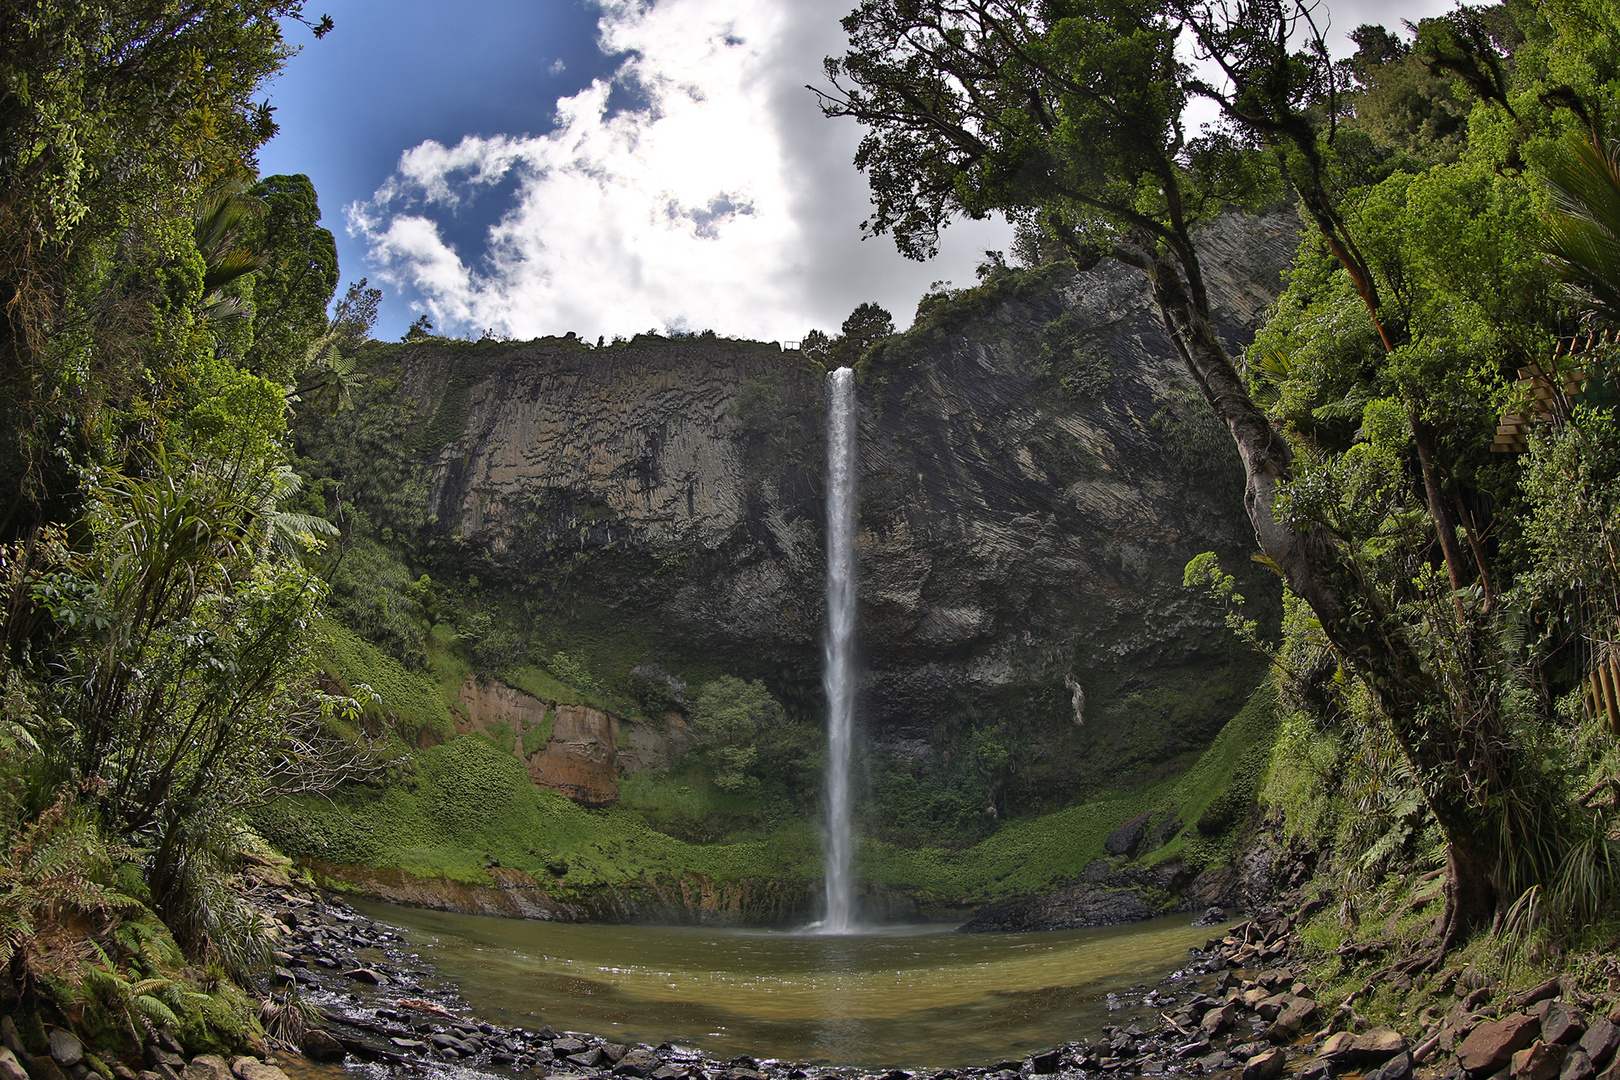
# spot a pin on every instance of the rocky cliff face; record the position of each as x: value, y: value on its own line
x: 1036, y: 469
x: 576, y: 750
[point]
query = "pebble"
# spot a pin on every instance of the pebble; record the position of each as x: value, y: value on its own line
x: 1237, y: 1008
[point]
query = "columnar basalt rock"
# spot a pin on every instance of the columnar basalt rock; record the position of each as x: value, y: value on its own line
x: 1036, y: 471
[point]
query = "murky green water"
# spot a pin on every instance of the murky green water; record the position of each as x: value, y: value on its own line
x: 910, y: 996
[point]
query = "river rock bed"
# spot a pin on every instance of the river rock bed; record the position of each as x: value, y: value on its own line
x: 1235, y: 1010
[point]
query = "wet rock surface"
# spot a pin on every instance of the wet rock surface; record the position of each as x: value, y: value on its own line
x: 1211, y: 1016
x: 1238, y: 1009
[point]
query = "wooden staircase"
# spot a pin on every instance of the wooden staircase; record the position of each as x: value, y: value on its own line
x: 1580, y: 372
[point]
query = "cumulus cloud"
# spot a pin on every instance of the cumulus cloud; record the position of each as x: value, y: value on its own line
x: 718, y: 198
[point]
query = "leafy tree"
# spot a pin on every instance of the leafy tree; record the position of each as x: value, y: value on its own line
x: 219, y: 227
x: 170, y: 662
x: 1067, y: 116
x: 115, y: 118
x: 817, y: 346
x: 1584, y: 222
x: 1401, y: 102
x: 301, y: 269
x: 867, y: 325
x: 328, y: 368
x: 158, y: 630
x: 729, y: 716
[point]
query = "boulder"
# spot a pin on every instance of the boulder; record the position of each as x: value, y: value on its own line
x: 366, y: 975
x: 1266, y: 1066
x: 1378, y: 1045
x: 13, y: 1040
x: 1600, y: 1042
x: 639, y: 1062
x: 1398, y: 1067
x: 66, y: 1049
x: 1045, y: 1064
x: 44, y: 1067
x: 10, y: 1067
x: 1559, y: 1022
x: 161, y: 1059
x: 1316, y: 1069
x: 1337, y: 1045
x: 207, y: 1067
x: 1577, y: 1066
x: 1218, y: 1020
x: 1538, y: 1061
x: 319, y: 1044
x: 1128, y: 837
x: 1296, y: 1012
x: 1269, y: 1007
x: 257, y: 1070
x: 1491, y: 1045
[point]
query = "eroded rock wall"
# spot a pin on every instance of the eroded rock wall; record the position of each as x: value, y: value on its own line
x: 1036, y: 469
x: 581, y: 751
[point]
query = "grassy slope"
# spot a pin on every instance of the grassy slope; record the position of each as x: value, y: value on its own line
x: 458, y: 806
x: 1036, y: 853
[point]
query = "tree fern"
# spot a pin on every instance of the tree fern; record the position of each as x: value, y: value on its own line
x: 1583, y: 226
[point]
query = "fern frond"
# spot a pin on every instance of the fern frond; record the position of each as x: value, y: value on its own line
x: 155, y: 1011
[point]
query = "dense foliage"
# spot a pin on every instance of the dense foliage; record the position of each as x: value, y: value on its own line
x: 180, y: 641
x: 1429, y: 630
x: 159, y: 305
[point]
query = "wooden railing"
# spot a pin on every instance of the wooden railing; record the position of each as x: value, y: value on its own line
x: 1603, y: 686
x: 1578, y: 373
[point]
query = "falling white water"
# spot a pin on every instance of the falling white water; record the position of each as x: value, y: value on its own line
x: 838, y: 675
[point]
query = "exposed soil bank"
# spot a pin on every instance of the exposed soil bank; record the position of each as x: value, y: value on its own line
x: 674, y: 899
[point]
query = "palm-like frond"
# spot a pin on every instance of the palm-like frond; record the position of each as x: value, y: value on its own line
x: 220, y: 231
x: 1583, y: 226
x: 330, y: 375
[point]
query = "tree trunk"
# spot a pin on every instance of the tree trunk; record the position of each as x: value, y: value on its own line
x: 1471, y: 895
x: 1445, y: 528
x: 1351, y: 614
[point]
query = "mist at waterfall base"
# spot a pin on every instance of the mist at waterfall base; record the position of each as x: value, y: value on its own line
x: 838, y: 672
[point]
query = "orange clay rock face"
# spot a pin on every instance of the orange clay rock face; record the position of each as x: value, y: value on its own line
x: 588, y: 750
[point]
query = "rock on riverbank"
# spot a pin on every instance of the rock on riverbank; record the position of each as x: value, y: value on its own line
x: 1240, y: 1009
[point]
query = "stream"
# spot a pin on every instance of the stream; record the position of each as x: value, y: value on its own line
x: 912, y: 996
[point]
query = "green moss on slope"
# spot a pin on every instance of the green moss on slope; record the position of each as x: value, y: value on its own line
x: 470, y: 802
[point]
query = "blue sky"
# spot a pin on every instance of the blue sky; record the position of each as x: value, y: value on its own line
x: 479, y: 163
x: 391, y: 75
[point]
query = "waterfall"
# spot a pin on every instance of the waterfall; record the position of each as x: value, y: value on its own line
x: 838, y: 674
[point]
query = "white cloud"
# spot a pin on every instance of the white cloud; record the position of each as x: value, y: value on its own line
x: 727, y: 203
